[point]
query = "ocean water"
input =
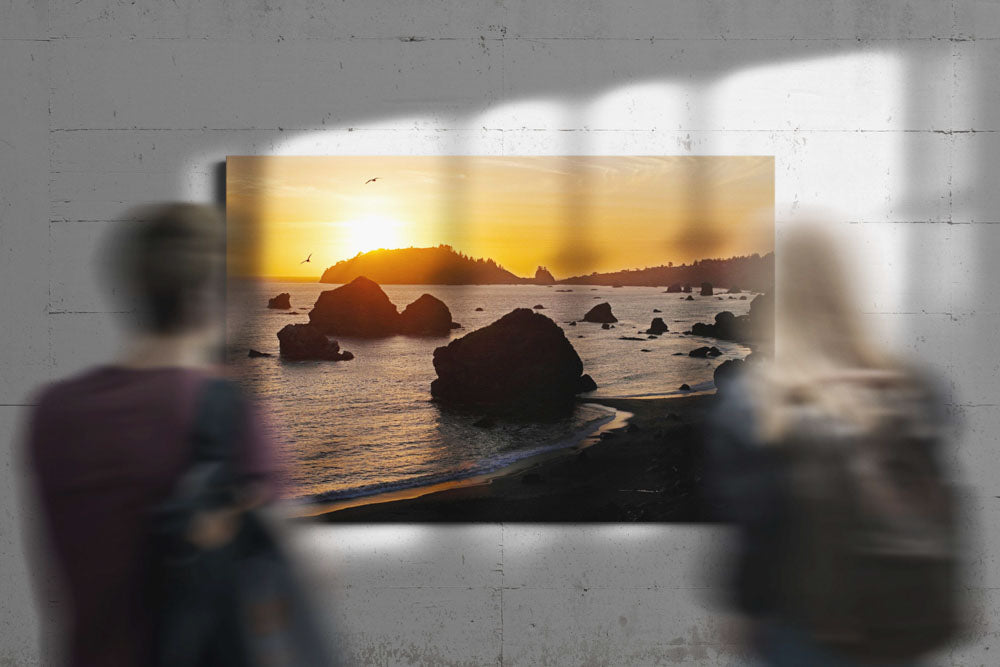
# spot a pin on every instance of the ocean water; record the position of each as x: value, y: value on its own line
x: 359, y: 427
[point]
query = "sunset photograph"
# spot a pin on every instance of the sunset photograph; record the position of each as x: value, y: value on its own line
x: 453, y: 338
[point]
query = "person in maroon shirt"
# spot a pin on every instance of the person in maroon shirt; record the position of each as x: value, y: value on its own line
x: 107, y: 446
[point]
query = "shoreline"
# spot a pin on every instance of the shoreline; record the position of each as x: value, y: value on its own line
x: 577, y: 442
x: 642, y: 465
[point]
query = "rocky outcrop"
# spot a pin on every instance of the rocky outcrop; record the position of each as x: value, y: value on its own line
x: 281, y: 302
x: 256, y: 354
x: 427, y: 316
x: 704, y: 352
x: 359, y: 308
x: 734, y: 290
x: 687, y: 288
x: 762, y: 317
x: 539, y: 306
x: 657, y: 326
x: 601, y: 313
x: 675, y: 288
x: 756, y: 326
x: 725, y: 373
x: 543, y: 277
x: 522, y: 365
x: 726, y: 327
x: 689, y: 298
x: 301, y: 342
x: 706, y: 289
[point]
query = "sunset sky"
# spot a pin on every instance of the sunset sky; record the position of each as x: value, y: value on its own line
x: 574, y: 215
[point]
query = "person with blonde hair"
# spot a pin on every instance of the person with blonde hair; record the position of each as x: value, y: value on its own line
x: 826, y: 457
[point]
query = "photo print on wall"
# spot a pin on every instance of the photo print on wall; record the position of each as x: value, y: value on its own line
x: 496, y: 338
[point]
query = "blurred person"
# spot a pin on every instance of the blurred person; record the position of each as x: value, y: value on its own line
x: 147, y: 472
x: 827, y: 458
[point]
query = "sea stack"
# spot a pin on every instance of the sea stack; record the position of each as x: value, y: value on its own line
x: 706, y: 289
x: 520, y: 365
x: 543, y: 277
x: 427, y: 316
x: 657, y: 327
x: 359, y: 308
x: 725, y: 373
x: 302, y: 342
x: 281, y: 302
x: 601, y: 313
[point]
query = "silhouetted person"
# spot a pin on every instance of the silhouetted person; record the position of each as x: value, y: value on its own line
x: 827, y: 459
x: 108, y: 445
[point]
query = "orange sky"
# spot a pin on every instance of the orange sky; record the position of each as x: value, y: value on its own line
x: 572, y: 214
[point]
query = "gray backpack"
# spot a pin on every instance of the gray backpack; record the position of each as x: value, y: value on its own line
x: 872, y: 569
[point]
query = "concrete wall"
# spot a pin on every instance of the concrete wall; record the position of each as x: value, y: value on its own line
x: 886, y: 111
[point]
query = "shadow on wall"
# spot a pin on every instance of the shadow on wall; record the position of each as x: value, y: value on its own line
x: 839, y: 118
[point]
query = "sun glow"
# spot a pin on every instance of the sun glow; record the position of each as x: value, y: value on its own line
x: 370, y: 232
x: 573, y: 214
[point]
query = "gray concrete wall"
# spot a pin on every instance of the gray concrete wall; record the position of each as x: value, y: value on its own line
x: 885, y: 112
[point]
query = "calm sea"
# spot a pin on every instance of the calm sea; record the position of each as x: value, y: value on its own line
x: 359, y: 427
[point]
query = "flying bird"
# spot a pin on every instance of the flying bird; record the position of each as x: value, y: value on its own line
x: 306, y: 259
x: 372, y: 180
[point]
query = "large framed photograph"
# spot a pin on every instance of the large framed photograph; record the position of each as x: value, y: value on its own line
x: 495, y: 338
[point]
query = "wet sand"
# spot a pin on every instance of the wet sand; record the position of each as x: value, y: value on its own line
x: 648, y: 469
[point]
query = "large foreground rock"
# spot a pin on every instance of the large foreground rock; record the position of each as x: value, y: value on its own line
x: 301, y: 342
x: 522, y: 365
x: 282, y: 302
x: 359, y: 308
x: 601, y: 313
x: 427, y: 316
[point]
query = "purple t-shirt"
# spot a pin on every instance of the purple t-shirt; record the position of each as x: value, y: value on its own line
x: 105, y: 447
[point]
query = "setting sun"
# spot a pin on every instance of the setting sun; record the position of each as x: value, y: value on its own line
x: 367, y: 233
x: 572, y: 214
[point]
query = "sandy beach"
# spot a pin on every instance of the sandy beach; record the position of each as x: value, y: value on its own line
x: 643, y: 468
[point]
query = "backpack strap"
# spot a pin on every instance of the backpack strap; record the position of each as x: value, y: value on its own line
x: 210, y: 479
x: 217, y: 421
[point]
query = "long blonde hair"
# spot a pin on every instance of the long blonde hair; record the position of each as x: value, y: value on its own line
x: 825, y: 358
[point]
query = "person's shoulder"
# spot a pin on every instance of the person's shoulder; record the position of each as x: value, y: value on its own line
x: 57, y: 393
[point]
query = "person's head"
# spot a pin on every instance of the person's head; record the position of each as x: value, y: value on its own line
x: 818, y: 324
x: 820, y: 339
x: 171, y: 262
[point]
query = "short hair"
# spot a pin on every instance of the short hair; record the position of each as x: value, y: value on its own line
x: 171, y: 262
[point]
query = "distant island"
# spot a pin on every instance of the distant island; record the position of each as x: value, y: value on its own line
x: 748, y: 272
x: 421, y: 266
x: 443, y: 265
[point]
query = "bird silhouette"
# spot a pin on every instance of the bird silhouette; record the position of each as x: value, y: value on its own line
x: 306, y: 259
x: 372, y: 180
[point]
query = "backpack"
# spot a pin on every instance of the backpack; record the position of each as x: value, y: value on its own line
x: 237, y: 605
x: 871, y: 571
